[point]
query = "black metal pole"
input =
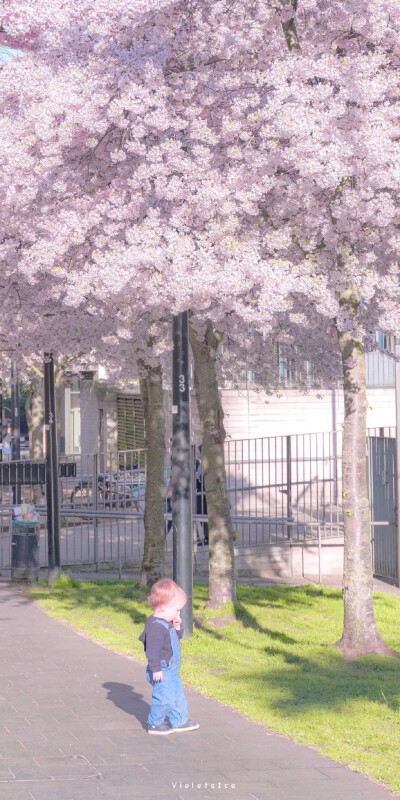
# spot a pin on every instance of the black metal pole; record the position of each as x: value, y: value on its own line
x: 181, y: 468
x: 16, y: 426
x: 52, y: 493
x: 289, y: 486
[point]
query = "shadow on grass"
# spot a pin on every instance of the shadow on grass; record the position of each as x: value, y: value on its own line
x: 285, y: 596
x: 326, y: 681
x: 263, y: 597
x: 247, y: 619
x: 312, y: 684
x: 102, y: 595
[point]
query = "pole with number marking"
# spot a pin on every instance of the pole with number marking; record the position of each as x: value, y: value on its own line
x: 181, y: 468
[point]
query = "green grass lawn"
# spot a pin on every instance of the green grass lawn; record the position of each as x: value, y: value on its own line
x: 273, y: 661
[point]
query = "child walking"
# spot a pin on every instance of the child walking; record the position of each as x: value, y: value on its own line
x: 161, y: 639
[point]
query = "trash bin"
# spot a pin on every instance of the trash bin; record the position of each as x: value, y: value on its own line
x: 25, y: 531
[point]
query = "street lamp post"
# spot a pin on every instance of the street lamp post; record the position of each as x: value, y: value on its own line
x: 181, y: 468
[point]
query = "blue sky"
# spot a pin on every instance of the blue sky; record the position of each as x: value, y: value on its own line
x: 7, y: 53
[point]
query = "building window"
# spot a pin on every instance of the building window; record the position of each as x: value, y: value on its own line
x: 130, y: 422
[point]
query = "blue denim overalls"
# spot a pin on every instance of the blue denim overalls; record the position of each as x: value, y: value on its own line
x: 168, y: 695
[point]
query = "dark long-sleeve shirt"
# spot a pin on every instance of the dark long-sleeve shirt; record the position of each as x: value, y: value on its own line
x: 157, y: 642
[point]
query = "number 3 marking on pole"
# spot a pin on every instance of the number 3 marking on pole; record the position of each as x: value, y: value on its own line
x: 181, y: 383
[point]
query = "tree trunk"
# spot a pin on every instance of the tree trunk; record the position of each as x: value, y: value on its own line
x: 35, y: 418
x: 153, y: 564
x: 222, y: 586
x: 360, y: 634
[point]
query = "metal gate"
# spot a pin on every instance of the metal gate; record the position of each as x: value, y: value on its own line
x: 382, y: 487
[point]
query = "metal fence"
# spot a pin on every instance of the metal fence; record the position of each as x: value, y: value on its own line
x: 285, y: 487
x: 282, y: 488
x: 382, y: 493
x: 102, y: 508
x: 24, y: 490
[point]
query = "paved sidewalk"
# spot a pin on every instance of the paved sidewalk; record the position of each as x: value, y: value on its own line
x: 72, y: 727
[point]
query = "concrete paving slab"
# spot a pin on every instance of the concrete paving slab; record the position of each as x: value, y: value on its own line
x: 21, y: 792
x: 57, y: 789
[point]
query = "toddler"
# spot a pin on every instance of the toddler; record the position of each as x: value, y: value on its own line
x: 161, y: 637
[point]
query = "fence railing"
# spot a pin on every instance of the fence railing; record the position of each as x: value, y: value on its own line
x: 281, y: 489
x: 285, y: 487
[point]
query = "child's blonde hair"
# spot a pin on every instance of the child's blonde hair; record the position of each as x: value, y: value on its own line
x: 163, y: 591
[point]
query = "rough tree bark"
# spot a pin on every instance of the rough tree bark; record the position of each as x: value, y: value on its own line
x: 151, y: 390
x: 360, y: 634
x: 35, y: 418
x: 222, y: 586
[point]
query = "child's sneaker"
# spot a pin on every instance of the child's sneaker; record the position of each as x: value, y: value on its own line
x: 161, y: 730
x: 186, y: 726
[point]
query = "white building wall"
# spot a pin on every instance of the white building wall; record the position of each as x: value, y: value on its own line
x: 248, y: 414
x: 89, y: 417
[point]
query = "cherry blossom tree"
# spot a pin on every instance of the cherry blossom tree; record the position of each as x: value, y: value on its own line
x: 221, y: 158
x: 332, y: 212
